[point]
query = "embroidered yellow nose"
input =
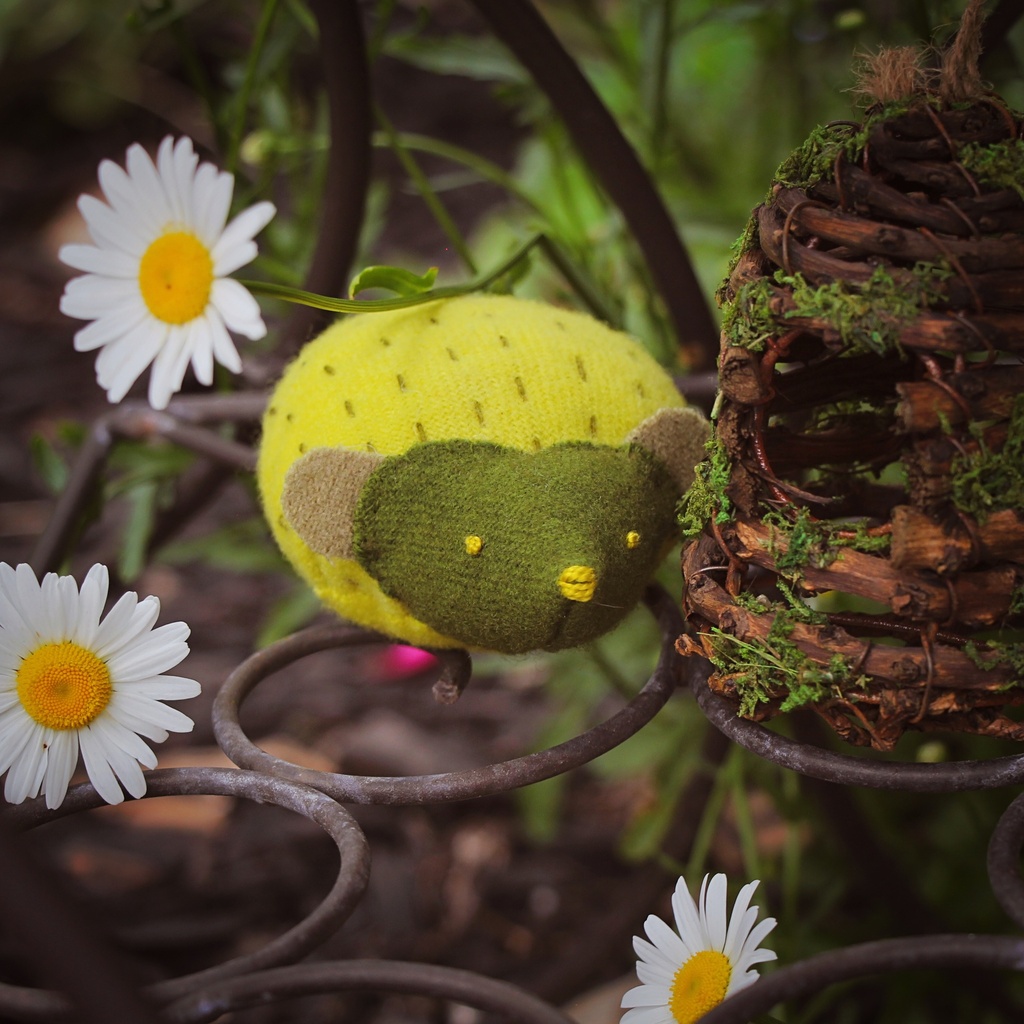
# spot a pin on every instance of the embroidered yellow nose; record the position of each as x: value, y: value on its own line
x: 578, y: 583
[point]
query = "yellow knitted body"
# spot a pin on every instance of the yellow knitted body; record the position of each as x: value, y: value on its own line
x: 483, y: 367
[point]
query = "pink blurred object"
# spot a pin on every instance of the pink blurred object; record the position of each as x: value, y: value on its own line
x: 399, y: 661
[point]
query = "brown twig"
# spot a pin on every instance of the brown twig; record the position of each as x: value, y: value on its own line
x: 350, y: 124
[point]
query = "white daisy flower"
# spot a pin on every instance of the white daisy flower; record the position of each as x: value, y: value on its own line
x: 684, y: 975
x: 155, y: 285
x: 70, y: 682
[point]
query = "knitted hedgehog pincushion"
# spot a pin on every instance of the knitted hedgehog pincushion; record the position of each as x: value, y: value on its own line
x: 483, y: 472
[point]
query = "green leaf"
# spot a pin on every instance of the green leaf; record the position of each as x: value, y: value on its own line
x: 393, y: 279
x: 139, y: 462
x: 52, y: 469
x: 132, y: 556
x: 541, y: 804
x: 291, y: 612
x: 479, y: 57
x: 243, y: 547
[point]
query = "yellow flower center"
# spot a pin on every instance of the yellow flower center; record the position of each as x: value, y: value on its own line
x: 175, y: 276
x: 698, y: 985
x: 63, y: 686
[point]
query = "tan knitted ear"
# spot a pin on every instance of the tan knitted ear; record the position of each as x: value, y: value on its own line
x: 321, y: 491
x: 675, y: 437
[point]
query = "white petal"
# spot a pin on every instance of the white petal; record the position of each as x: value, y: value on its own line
x: 645, y: 995
x: 202, y: 350
x: 146, y: 710
x: 16, y: 732
x: 243, y: 228
x: 241, y: 312
x: 66, y: 607
x: 124, y: 360
x: 122, y: 320
x: 49, y: 594
x: 91, y: 296
x: 9, y: 699
x: 164, y: 688
x: 143, y: 617
x: 740, y: 922
x: 18, y: 637
x: 129, y: 772
x: 135, y: 198
x: 165, y: 168
x: 63, y: 756
x: 112, y: 632
x: 749, y: 953
x: 149, y: 187
x: 714, y: 907
x: 110, y: 231
x: 176, y: 163
x: 687, y: 919
x: 666, y: 939
x: 98, y: 767
x: 185, y: 163
x: 654, y: 974
x: 105, y: 262
x: 114, y: 735
x: 224, y: 351
x: 657, y: 958
x: 125, y: 196
x: 238, y: 256
x: 137, y: 723
x: 25, y: 776
x: 29, y: 597
x: 119, y: 633
x: 741, y: 981
x: 648, y: 1015
x: 91, y: 599
x: 213, y: 190
x: 150, y: 655
x: 169, y: 367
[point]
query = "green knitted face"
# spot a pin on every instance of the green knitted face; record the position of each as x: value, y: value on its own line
x: 515, y: 551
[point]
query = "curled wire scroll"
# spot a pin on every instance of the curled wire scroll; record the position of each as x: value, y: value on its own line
x: 272, y: 973
x: 475, y: 782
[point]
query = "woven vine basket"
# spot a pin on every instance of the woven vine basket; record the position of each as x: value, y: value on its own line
x: 856, y: 535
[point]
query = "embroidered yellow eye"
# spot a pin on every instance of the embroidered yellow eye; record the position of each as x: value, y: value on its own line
x: 474, y: 544
x: 632, y: 540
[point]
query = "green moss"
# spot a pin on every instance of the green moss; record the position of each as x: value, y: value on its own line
x: 748, y: 241
x: 998, y: 654
x: 706, y: 496
x: 862, y: 540
x: 756, y: 603
x: 814, y: 542
x: 988, y: 481
x: 807, y: 541
x: 999, y: 165
x: 747, y: 320
x: 814, y: 159
x: 867, y: 317
x: 762, y: 671
x: 871, y: 316
x: 797, y: 609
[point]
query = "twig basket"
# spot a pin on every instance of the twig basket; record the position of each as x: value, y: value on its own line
x: 857, y: 532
